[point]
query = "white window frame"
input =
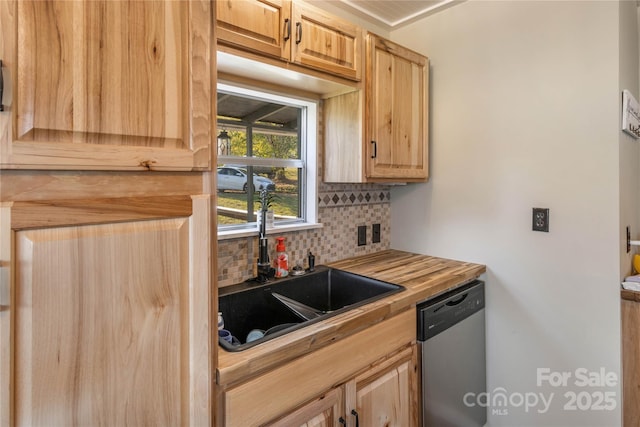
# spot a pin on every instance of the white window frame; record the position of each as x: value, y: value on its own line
x: 308, y: 161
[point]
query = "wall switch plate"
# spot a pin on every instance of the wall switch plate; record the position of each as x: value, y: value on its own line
x: 362, y: 235
x: 540, y: 219
x: 375, y: 233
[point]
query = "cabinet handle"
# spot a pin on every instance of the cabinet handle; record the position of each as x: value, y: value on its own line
x: 355, y: 414
x: 4, y: 286
x: 375, y: 150
x: 287, y: 34
x: 1, y: 86
x: 298, y: 32
x: 342, y: 421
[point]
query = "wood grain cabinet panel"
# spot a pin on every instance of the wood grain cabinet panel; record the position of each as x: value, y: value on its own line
x: 294, y: 32
x: 106, y: 275
x: 380, y: 134
x: 107, y: 85
x: 396, y: 111
x: 107, y: 324
x: 630, y: 312
x: 386, y: 398
x: 383, y: 396
x: 325, y: 411
x: 259, y: 25
x: 326, y: 43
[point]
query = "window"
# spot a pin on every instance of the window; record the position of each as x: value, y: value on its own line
x: 266, y: 142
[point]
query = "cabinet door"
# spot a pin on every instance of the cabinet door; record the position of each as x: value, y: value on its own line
x: 396, y: 112
x: 630, y: 312
x: 326, y: 43
x: 322, y: 412
x: 262, y: 26
x: 106, y: 85
x: 107, y: 324
x: 387, y: 396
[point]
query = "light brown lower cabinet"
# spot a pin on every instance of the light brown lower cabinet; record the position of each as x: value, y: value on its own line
x: 387, y: 394
x: 630, y: 311
x: 382, y: 396
x: 105, y: 306
x: 368, y: 379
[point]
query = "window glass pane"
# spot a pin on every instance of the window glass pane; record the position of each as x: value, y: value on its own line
x: 260, y: 147
x: 232, y: 209
x: 276, y: 146
x: 286, y: 203
x: 235, y: 199
x: 238, y: 142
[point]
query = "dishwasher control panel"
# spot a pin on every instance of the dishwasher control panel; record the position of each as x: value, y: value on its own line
x: 440, y: 313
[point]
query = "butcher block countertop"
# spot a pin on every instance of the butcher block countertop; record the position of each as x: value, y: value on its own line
x: 423, y: 277
x: 630, y: 295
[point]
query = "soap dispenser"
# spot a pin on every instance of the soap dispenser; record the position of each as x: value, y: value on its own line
x: 282, y: 259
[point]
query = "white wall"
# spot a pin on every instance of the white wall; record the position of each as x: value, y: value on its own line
x: 525, y: 100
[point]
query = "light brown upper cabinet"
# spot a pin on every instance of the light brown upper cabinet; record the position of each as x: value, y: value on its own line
x: 396, y: 111
x: 380, y: 134
x: 294, y: 32
x: 258, y: 25
x: 106, y: 85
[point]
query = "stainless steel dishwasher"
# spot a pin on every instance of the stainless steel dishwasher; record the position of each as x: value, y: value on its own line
x: 451, y: 336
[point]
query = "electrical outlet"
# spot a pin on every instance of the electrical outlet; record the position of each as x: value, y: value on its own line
x: 375, y: 233
x: 362, y: 235
x: 540, y: 219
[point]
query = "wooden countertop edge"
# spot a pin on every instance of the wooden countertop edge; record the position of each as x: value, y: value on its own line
x: 630, y: 295
x: 423, y: 277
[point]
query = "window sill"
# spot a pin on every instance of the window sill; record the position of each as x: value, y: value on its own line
x: 250, y: 232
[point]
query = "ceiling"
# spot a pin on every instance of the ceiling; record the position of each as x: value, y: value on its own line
x: 393, y: 14
x: 247, y: 111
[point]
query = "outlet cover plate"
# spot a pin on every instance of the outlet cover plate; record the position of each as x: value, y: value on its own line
x: 375, y: 233
x: 540, y: 219
x: 362, y: 235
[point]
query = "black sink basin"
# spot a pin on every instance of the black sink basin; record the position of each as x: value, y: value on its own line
x: 330, y: 289
x: 298, y: 302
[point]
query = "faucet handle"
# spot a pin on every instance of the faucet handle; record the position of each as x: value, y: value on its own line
x: 312, y: 261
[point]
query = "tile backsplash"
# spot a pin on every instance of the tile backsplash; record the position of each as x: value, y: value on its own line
x: 340, y: 210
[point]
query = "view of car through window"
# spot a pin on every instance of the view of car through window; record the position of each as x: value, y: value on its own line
x: 259, y: 147
x: 235, y: 178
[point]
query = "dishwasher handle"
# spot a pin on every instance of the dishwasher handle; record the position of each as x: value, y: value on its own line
x: 455, y: 302
x: 441, y: 313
